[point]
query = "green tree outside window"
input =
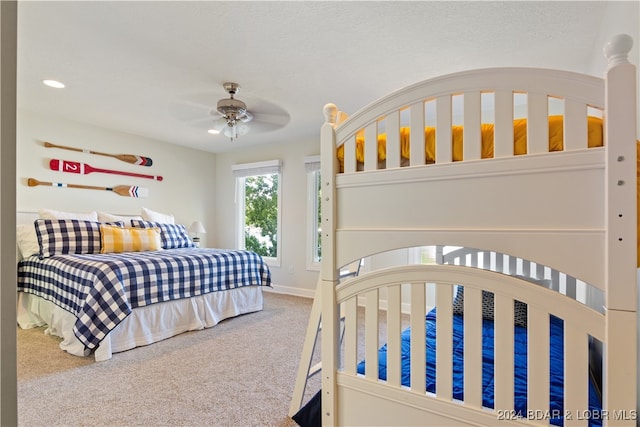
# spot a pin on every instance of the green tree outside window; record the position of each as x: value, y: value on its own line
x: 261, y: 214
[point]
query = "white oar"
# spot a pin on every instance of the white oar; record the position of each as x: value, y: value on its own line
x: 123, y: 190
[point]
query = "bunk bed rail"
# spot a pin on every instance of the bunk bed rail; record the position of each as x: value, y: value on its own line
x: 469, y: 100
x: 395, y: 285
x: 534, y: 272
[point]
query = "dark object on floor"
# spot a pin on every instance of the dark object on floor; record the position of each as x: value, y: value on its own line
x: 311, y: 414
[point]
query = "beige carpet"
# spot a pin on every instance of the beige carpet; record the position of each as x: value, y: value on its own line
x: 238, y: 373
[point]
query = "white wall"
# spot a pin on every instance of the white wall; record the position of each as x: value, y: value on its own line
x: 618, y: 20
x: 292, y: 276
x: 196, y: 185
x: 187, y: 190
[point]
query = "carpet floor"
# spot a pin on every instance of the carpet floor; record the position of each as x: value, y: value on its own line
x: 241, y: 372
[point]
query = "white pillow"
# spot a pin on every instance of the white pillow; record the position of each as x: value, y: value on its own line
x: 152, y: 216
x: 107, y: 217
x: 27, y: 240
x: 51, y: 214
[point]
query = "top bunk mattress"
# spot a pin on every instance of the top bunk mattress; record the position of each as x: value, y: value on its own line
x: 556, y: 141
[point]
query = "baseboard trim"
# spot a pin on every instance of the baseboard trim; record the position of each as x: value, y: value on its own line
x: 288, y: 290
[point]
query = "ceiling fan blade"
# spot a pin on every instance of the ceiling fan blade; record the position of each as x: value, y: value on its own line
x: 187, y: 111
x: 198, y: 110
x: 272, y: 119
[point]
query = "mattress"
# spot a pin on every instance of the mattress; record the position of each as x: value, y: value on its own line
x: 101, y: 290
x: 556, y: 140
x: 556, y: 365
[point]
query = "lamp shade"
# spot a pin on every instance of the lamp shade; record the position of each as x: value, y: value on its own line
x: 197, y: 227
x: 220, y: 124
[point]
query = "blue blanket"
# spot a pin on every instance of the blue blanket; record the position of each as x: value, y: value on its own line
x: 102, y: 289
x: 520, y: 366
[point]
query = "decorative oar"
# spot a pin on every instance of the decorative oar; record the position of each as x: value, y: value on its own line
x: 84, y: 169
x: 123, y: 190
x: 128, y: 158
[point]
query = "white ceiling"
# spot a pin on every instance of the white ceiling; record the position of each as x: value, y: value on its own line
x: 156, y: 68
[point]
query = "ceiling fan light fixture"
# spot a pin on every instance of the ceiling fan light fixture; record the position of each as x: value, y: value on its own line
x: 230, y: 132
x: 243, y: 128
x: 234, y: 114
x: 247, y: 117
x: 234, y: 130
x: 219, y: 124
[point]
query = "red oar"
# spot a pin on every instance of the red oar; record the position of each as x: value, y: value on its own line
x: 83, y: 169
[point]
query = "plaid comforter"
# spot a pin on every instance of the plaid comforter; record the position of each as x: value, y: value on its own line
x: 102, y: 289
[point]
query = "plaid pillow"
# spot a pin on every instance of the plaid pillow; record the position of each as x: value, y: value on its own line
x: 120, y: 239
x: 68, y: 236
x: 173, y: 236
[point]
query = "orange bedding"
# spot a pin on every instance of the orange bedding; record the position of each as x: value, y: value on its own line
x: 556, y: 143
x: 556, y: 140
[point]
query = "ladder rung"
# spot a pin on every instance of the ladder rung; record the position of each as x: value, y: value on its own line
x: 314, y: 369
x: 313, y: 330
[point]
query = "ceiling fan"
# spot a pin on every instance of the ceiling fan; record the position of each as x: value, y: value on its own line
x: 230, y: 116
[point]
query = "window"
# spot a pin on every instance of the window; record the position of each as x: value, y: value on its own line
x: 258, y: 208
x: 422, y: 255
x: 314, y: 247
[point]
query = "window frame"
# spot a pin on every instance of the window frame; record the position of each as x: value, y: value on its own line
x: 240, y: 173
x: 312, y: 167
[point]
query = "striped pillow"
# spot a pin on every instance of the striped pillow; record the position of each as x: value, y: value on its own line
x: 67, y: 236
x: 129, y: 239
x: 173, y: 236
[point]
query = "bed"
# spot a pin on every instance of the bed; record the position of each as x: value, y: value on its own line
x: 102, y: 298
x: 549, y: 235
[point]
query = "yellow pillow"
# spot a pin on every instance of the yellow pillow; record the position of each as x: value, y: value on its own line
x: 129, y: 239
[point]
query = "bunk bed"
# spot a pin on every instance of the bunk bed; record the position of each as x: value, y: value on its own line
x: 546, y: 231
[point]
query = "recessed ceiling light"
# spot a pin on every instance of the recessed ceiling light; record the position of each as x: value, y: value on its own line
x: 53, y: 83
x: 213, y: 131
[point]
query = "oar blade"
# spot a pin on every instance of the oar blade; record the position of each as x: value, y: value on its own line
x: 131, y: 191
x: 135, y: 160
x: 69, y: 167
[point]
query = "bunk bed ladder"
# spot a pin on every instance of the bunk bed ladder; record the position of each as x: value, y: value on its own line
x: 305, y: 370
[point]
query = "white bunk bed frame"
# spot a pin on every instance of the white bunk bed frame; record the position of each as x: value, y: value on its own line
x: 575, y: 214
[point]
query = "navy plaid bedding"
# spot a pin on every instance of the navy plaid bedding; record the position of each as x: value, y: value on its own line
x: 102, y: 289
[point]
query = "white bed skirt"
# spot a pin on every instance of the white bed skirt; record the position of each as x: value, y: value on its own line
x: 145, y: 325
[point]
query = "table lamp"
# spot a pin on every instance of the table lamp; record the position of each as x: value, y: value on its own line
x: 197, y: 227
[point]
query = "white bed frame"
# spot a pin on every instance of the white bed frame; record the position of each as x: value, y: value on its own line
x: 145, y: 325
x: 575, y: 213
